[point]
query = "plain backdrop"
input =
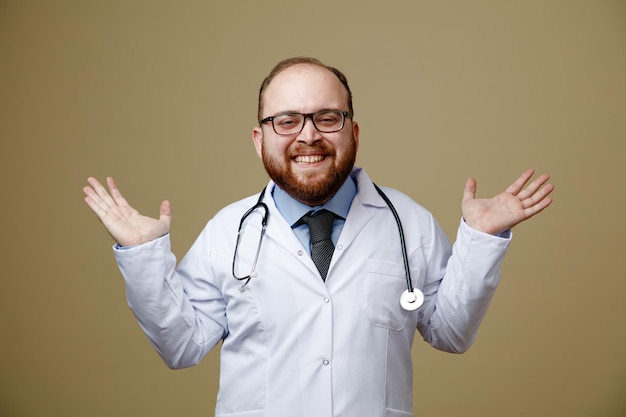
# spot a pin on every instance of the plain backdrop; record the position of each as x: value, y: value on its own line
x: 162, y: 96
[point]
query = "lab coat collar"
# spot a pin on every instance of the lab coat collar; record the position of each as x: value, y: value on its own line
x: 366, y: 192
x: 366, y: 199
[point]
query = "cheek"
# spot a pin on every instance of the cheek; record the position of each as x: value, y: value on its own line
x: 270, y: 152
x: 273, y: 150
x: 345, y: 146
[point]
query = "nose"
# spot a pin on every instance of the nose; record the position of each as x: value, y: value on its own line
x: 309, y: 134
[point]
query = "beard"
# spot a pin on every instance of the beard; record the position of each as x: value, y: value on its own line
x: 317, y: 186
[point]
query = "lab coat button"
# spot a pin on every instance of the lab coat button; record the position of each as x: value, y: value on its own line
x: 326, y: 300
x: 326, y: 362
x: 339, y: 247
x: 300, y: 252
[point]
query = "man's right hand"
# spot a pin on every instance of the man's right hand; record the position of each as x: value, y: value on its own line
x: 127, y: 226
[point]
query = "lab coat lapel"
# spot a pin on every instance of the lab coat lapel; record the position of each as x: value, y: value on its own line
x: 358, y: 217
x: 360, y: 213
x: 281, y: 233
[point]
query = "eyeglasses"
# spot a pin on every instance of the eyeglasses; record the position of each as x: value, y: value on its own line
x: 325, y: 121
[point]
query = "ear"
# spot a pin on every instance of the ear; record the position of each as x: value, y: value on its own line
x: 257, y: 138
x: 355, y: 132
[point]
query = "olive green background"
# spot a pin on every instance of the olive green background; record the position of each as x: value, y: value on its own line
x: 162, y: 96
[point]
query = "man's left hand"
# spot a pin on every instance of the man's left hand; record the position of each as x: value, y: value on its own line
x: 516, y: 204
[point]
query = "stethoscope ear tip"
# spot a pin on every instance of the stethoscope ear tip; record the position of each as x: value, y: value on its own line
x: 411, y: 301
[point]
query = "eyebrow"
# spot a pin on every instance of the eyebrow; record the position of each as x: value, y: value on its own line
x: 287, y: 112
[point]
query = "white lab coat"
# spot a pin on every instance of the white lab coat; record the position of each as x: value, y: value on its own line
x: 294, y: 345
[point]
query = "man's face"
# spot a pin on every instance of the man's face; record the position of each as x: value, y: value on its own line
x: 311, y: 166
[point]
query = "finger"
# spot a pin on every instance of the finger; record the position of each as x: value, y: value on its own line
x: 533, y: 187
x: 94, y: 206
x: 104, y: 198
x: 519, y: 183
x: 538, y: 197
x: 469, y: 193
x: 165, y: 213
x: 93, y: 199
x: 90, y: 190
x: 93, y: 182
x: 115, y: 192
x: 540, y: 206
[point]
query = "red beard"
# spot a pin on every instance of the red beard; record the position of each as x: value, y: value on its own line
x: 317, y: 186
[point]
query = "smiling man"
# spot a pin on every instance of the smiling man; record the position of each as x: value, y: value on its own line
x: 317, y: 285
x: 310, y: 161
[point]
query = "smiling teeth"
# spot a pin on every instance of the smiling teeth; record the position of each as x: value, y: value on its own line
x: 309, y: 159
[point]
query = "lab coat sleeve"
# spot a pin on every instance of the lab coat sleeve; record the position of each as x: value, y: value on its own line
x: 180, y: 332
x: 458, y: 301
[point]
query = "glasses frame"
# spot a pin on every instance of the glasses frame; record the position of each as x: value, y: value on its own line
x: 344, y: 115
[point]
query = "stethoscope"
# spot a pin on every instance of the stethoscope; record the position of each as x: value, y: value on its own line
x: 411, y: 299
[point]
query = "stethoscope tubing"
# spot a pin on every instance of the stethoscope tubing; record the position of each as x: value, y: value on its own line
x: 410, y: 300
x: 405, y: 257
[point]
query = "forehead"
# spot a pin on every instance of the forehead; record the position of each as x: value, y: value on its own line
x: 304, y: 88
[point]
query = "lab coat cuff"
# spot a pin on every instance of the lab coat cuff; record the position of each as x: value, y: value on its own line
x: 129, y: 251
x: 507, y: 234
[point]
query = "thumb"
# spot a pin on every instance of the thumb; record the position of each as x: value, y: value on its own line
x: 165, y: 213
x: 470, y: 190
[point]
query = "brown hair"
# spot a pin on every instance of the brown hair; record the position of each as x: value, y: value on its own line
x: 290, y: 62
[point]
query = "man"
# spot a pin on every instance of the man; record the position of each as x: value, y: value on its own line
x: 300, y: 337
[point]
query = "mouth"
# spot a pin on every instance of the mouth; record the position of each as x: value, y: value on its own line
x: 309, y: 159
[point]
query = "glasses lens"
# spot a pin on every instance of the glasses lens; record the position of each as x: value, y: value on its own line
x: 328, y: 121
x: 286, y: 124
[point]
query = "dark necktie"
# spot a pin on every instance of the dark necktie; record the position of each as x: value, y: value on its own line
x: 322, y: 248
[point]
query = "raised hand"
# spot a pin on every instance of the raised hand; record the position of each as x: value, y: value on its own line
x: 125, y: 224
x: 511, y: 207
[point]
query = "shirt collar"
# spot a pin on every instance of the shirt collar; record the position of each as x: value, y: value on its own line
x: 292, y: 210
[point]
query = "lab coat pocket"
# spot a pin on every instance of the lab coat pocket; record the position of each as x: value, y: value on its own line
x: 383, y: 284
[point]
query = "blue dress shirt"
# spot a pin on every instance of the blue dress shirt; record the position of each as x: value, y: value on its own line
x: 292, y: 210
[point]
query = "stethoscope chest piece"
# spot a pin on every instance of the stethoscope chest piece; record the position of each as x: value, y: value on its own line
x: 411, y: 301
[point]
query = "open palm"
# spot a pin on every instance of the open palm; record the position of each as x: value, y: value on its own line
x: 124, y: 223
x: 505, y: 210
